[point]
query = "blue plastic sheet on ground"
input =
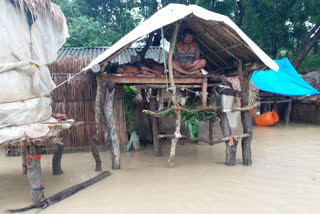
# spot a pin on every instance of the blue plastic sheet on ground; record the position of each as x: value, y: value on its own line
x: 286, y: 81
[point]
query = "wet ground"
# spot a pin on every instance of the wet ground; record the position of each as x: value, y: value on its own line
x: 284, y: 178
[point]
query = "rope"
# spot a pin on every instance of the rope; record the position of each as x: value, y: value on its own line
x: 37, y: 188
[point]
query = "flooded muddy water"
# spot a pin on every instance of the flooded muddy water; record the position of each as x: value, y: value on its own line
x: 284, y: 178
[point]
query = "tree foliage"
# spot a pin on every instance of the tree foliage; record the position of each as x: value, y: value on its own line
x: 282, y: 28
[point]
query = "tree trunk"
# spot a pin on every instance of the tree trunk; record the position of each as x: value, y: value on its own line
x: 34, y: 174
x: 119, y: 115
x: 245, y: 115
x: 308, y: 43
x: 108, y: 114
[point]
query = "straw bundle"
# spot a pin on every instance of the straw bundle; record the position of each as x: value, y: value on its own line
x: 76, y: 98
x: 236, y: 85
x: 41, y: 7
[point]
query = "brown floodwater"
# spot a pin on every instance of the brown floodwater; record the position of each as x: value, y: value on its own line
x: 284, y: 178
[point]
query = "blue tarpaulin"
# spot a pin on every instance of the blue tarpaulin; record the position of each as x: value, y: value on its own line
x: 285, y: 81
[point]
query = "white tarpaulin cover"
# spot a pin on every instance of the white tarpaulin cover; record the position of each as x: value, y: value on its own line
x: 24, y: 74
x: 172, y: 13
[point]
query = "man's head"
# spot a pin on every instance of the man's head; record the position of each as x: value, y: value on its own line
x: 187, y: 36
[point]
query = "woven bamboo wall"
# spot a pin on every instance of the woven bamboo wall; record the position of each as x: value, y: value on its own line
x: 76, y: 98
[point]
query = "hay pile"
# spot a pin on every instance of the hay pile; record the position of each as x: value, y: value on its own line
x: 42, y: 7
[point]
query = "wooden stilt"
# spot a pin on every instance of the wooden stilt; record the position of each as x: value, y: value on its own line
x: 211, y: 124
x: 34, y: 174
x: 108, y: 114
x: 24, y: 159
x: 245, y: 115
x: 287, y: 112
x: 177, y: 134
x: 95, y: 139
x: 56, y: 160
x: 204, y: 93
x: 119, y: 115
x: 231, y: 150
x: 155, y: 124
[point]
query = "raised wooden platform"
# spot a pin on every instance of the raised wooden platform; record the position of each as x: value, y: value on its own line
x: 196, y: 80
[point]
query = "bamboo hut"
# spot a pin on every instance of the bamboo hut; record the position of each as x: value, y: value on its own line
x: 226, y: 49
x: 25, y: 82
x: 76, y: 98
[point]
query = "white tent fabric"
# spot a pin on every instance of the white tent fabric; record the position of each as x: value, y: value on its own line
x: 172, y: 13
x: 24, y: 75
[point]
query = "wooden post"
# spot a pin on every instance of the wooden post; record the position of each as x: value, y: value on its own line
x: 56, y: 160
x: 231, y: 150
x: 174, y: 141
x: 204, y: 93
x: 287, y: 112
x: 155, y: 124
x: 34, y: 174
x: 245, y: 115
x: 119, y: 115
x: 108, y: 114
x: 211, y: 122
x: 24, y: 158
x: 97, y: 115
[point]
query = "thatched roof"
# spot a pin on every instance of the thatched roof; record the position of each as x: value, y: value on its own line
x: 221, y: 41
x: 40, y: 7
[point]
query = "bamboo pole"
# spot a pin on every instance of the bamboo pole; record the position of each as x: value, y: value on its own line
x: 177, y: 134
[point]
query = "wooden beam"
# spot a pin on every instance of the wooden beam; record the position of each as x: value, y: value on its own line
x: 227, y: 48
x: 278, y: 101
x: 153, y: 80
x: 213, y: 54
x: 221, y: 46
x: 142, y: 86
x: 213, y: 142
x: 237, y: 38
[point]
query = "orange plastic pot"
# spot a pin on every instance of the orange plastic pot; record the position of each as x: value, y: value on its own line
x: 266, y: 119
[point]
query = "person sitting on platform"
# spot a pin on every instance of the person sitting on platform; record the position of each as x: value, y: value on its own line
x: 187, y: 56
x: 134, y: 69
x: 154, y: 65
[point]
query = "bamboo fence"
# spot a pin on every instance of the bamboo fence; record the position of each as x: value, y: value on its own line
x: 76, y: 99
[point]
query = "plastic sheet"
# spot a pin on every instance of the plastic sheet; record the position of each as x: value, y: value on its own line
x: 24, y: 75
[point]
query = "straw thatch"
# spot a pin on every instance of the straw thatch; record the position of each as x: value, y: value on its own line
x: 220, y: 45
x: 76, y: 99
x: 42, y: 7
x: 254, y: 90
